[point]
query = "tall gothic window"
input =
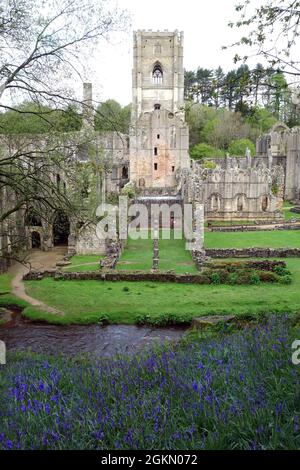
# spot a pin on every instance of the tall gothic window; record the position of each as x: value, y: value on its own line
x: 157, y: 74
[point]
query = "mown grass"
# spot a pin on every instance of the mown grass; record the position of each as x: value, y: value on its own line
x: 81, y: 263
x: 288, y: 214
x: 234, y: 391
x: 257, y: 239
x: 124, y: 302
x: 6, y: 298
x: 137, y: 254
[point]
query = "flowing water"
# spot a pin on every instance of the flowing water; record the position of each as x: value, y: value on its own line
x: 99, y: 340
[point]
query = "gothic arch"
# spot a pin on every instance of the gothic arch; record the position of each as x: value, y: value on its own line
x: 241, y: 202
x: 215, y: 202
x: 157, y: 73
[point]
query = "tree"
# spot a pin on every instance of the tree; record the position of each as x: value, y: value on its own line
x: 32, y: 118
x: 272, y: 30
x: 111, y: 116
x: 238, y: 147
x: 42, y: 45
x: 201, y: 151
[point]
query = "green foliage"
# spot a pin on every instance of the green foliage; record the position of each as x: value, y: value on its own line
x: 286, y: 279
x: 31, y: 118
x: 215, y: 278
x: 261, y: 119
x: 201, y: 151
x: 128, y: 190
x: 164, y: 319
x: 255, y: 279
x: 111, y: 116
x: 210, y: 165
x: 238, y: 147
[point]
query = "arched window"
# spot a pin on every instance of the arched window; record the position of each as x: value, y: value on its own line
x: 241, y: 203
x: 215, y: 203
x: 157, y: 74
x: 264, y: 203
x: 124, y: 172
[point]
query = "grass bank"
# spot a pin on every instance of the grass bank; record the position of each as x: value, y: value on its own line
x: 124, y: 302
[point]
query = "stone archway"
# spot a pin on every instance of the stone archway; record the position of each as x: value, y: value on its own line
x: 61, y: 229
x: 35, y: 240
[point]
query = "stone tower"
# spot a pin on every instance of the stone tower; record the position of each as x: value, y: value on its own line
x: 159, y: 139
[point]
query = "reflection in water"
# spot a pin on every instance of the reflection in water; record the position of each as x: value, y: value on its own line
x: 102, y: 341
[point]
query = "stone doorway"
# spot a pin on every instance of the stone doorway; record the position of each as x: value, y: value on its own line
x: 35, y: 240
x: 61, y: 229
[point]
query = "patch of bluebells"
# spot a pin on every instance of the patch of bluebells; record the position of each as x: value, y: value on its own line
x: 234, y: 391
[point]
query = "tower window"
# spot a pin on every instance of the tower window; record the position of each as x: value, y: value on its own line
x: 173, y: 169
x: 155, y: 166
x: 157, y: 48
x: 158, y: 136
x: 157, y: 74
x: 157, y: 106
x: 155, y: 150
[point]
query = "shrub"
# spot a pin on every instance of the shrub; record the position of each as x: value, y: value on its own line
x: 164, y: 319
x: 215, y: 278
x: 281, y: 271
x: 205, y: 151
x: 267, y: 276
x: 233, y: 277
x: 238, y: 147
x: 285, y: 280
x: 126, y: 289
x: 254, y: 279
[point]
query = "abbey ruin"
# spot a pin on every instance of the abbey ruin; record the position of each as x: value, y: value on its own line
x: 153, y: 161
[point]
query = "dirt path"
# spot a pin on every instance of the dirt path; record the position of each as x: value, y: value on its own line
x: 39, y: 260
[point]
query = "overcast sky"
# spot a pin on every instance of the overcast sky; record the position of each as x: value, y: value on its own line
x: 204, y: 23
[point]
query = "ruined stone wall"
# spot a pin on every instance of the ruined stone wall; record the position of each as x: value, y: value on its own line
x: 282, y: 146
x: 234, y: 192
x: 158, y: 147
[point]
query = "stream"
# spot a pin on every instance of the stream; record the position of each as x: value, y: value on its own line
x: 104, y: 341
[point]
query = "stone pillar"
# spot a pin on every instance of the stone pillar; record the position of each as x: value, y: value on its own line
x: 87, y: 106
x: 198, y: 253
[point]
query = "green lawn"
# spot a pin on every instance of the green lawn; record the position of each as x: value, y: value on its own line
x: 137, y: 254
x: 264, y: 239
x: 83, y: 263
x: 173, y: 255
x: 87, y: 301
x: 287, y: 211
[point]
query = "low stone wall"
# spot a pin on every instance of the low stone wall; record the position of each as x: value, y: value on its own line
x: 255, y: 228
x: 253, y: 252
x: 118, y: 276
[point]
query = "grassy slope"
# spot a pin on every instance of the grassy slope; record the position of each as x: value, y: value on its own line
x: 6, y: 298
x: 83, y: 263
x: 272, y: 239
x: 88, y: 300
